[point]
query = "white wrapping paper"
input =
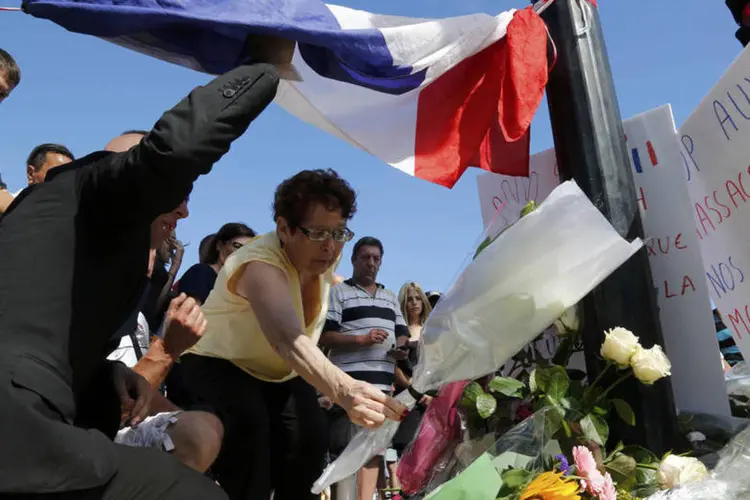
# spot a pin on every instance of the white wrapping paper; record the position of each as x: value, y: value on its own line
x: 518, y: 286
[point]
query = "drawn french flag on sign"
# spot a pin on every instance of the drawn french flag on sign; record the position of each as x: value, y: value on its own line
x: 429, y: 97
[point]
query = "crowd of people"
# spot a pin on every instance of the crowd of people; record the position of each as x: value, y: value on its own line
x: 238, y: 380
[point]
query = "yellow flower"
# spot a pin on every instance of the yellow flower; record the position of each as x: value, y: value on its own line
x: 551, y: 486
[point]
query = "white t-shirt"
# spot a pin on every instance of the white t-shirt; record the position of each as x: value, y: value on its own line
x: 125, y: 352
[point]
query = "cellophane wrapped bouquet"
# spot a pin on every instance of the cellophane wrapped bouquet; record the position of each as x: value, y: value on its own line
x: 515, y: 288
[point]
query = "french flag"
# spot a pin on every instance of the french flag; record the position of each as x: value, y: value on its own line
x: 430, y: 97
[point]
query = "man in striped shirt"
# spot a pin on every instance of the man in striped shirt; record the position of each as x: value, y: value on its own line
x: 363, y: 332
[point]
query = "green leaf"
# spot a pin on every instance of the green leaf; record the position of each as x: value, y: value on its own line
x: 595, y: 428
x: 483, y: 245
x: 486, y: 405
x: 528, y: 208
x: 514, y: 478
x: 507, y: 387
x: 621, y: 467
x: 598, y: 410
x: 624, y: 410
x: 552, y: 380
x: 470, y: 394
x: 558, y: 384
x: 533, y: 386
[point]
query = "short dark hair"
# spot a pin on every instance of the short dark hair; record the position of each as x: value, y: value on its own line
x: 135, y: 132
x: 204, y: 247
x: 228, y: 232
x: 38, y: 155
x: 295, y: 195
x: 366, y: 241
x: 9, y: 66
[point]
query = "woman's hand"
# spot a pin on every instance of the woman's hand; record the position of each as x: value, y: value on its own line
x: 368, y: 406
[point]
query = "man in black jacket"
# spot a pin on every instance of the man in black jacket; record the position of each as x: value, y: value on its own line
x: 73, y: 257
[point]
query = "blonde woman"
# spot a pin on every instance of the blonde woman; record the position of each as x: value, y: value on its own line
x: 415, y: 307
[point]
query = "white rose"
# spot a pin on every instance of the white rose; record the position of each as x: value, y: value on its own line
x: 619, y: 346
x: 568, y: 322
x: 676, y: 471
x: 650, y: 365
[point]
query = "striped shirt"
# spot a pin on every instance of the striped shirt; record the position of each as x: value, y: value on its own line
x: 352, y: 310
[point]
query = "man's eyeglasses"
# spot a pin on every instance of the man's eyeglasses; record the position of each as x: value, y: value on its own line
x: 337, y: 235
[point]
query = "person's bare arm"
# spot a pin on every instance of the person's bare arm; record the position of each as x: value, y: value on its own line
x: 184, y: 326
x: 5, y: 200
x: 401, y: 379
x: 267, y: 289
x: 338, y: 339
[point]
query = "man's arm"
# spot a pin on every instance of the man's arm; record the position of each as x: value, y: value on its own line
x: 184, y: 144
x: 184, y: 326
x: 400, y: 329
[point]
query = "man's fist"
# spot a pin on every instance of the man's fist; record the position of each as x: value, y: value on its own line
x: 374, y: 336
x: 184, y: 326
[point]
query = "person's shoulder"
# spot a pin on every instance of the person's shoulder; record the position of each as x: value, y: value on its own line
x: 83, y: 165
x: 199, y: 269
x: 389, y: 294
x: 265, y: 248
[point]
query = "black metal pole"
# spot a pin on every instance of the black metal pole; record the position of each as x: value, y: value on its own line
x: 590, y: 148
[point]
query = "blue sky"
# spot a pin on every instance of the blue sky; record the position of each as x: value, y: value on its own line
x: 81, y: 91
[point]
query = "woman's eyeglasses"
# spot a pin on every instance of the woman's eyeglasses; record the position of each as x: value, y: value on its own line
x: 337, y: 235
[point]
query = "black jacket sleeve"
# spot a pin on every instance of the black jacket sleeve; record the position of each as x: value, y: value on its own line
x: 157, y: 175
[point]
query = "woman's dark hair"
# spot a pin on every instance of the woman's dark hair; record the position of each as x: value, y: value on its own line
x: 204, y: 247
x: 295, y: 195
x: 228, y: 232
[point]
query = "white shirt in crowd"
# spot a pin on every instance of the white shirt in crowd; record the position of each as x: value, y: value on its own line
x: 125, y: 352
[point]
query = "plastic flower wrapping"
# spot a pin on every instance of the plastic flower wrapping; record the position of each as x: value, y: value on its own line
x: 515, y: 288
x: 728, y: 481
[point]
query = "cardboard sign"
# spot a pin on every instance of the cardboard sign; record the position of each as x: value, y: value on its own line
x: 716, y: 153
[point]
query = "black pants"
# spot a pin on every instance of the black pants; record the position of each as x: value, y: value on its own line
x: 144, y: 474
x: 275, y: 434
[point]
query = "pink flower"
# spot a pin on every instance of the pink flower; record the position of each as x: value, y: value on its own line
x: 593, y: 480
x: 608, y: 492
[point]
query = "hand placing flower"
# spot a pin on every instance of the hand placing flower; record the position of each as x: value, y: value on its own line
x: 619, y: 346
x: 677, y: 471
x: 650, y: 365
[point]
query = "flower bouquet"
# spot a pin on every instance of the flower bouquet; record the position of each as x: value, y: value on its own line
x: 514, y: 289
x: 566, y: 435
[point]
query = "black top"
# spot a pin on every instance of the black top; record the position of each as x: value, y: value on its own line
x: 197, y: 282
x: 74, y: 254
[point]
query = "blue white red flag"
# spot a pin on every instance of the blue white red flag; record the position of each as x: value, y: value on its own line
x: 430, y: 97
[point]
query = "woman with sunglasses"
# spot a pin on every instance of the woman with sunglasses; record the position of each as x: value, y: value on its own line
x: 197, y: 282
x: 258, y: 365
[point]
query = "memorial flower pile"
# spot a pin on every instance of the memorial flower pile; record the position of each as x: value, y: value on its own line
x: 572, y: 461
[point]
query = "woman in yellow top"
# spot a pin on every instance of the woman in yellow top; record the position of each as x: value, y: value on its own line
x: 258, y: 365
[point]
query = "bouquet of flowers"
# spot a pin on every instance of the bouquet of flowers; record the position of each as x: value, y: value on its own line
x: 564, y: 441
x: 515, y: 288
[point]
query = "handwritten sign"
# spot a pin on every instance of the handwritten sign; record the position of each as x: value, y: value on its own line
x: 512, y: 193
x: 716, y: 153
x: 674, y: 254
x: 676, y: 264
